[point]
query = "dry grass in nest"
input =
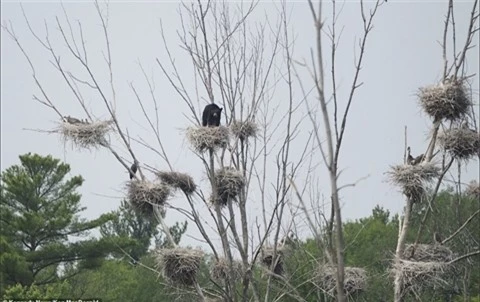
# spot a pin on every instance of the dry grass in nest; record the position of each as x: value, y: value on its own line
x: 86, y: 135
x: 418, y: 275
x: 445, y: 100
x: 412, y: 179
x: 427, y: 267
x: 229, y: 184
x: 267, y: 259
x: 180, y: 265
x: 355, y: 279
x: 221, y: 270
x: 428, y: 252
x: 142, y: 195
x: 473, y: 190
x: 178, y: 180
x: 244, y: 130
x: 206, y: 138
x: 460, y: 142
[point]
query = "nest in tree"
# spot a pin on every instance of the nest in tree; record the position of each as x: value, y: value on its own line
x: 447, y: 100
x: 473, y: 190
x: 355, y: 279
x: 412, y: 179
x: 462, y: 143
x: 244, y: 130
x: 267, y: 259
x: 428, y: 252
x: 180, y: 265
x: 143, y: 195
x: 229, y: 183
x: 429, y: 266
x: 178, y: 180
x: 206, y: 138
x: 221, y: 270
x: 84, y: 134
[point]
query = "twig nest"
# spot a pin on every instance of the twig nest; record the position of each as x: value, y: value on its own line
x: 412, y: 179
x: 268, y: 259
x: 180, y: 265
x: 244, y: 129
x: 229, y: 182
x: 178, y: 180
x: 461, y: 143
x: 447, y: 100
x: 220, y: 270
x: 206, y: 138
x: 143, y: 195
x: 84, y: 134
x: 473, y: 190
x: 428, y: 267
x: 428, y: 252
x: 355, y: 279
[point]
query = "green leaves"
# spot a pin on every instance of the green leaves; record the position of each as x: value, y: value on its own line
x: 39, y: 209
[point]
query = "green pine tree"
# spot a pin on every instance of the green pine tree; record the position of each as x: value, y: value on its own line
x: 39, y: 209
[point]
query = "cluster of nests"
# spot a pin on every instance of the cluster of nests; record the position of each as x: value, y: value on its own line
x: 450, y: 101
x: 355, y: 279
x: 413, y: 179
x: 144, y: 195
x: 212, y: 138
x: 428, y: 266
x: 180, y: 266
x: 85, y: 134
x: 445, y: 101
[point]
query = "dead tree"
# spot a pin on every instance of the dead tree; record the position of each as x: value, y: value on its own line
x: 448, y: 104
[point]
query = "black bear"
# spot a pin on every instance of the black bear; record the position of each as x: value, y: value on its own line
x: 211, y: 115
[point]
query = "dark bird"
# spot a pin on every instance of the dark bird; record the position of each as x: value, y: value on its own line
x: 438, y: 238
x: 211, y: 115
x: 410, y: 158
x: 414, y: 160
x: 133, y: 169
x: 418, y: 159
x: 72, y: 120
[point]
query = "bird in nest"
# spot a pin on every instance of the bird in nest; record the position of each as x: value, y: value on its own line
x: 133, y: 170
x: 437, y: 238
x: 414, y: 160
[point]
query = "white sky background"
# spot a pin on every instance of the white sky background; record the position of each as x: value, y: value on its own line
x: 403, y: 54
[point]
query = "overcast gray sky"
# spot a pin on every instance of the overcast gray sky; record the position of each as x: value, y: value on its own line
x: 403, y: 54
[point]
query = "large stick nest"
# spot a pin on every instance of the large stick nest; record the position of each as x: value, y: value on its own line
x: 244, y: 130
x: 447, y: 100
x: 412, y: 179
x: 473, y: 190
x: 180, y: 265
x: 84, y: 134
x: 178, y: 180
x: 143, y: 195
x: 462, y: 143
x: 229, y: 182
x: 267, y: 259
x: 428, y: 252
x: 429, y: 266
x: 206, y: 138
x: 220, y: 270
x: 355, y: 279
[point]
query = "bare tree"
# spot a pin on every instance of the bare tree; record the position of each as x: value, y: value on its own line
x: 448, y: 104
x: 235, y: 65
